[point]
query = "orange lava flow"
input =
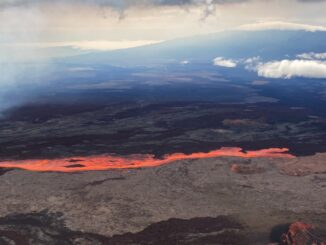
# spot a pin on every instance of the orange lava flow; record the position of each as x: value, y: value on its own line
x: 110, y: 162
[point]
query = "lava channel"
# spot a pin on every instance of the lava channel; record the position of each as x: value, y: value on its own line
x: 111, y: 162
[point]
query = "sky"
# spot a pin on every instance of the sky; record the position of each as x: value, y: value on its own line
x: 114, y: 24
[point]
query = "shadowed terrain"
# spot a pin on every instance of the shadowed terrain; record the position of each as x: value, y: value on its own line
x: 46, y: 228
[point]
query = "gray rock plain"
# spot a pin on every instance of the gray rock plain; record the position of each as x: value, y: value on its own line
x: 116, y: 202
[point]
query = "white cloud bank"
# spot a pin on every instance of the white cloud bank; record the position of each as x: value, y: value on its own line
x: 220, y: 61
x: 312, y: 56
x: 281, y: 25
x: 310, y: 65
x: 292, y: 68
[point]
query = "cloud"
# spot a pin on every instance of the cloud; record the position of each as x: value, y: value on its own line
x: 251, y: 63
x: 134, y: 2
x: 208, y: 6
x: 210, y: 9
x: 220, y: 61
x: 310, y: 65
x: 292, y: 68
x: 312, y: 56
x: 122, y: 4
x: 184, y: 62
x: 311, y: 1
x: 280, y: 25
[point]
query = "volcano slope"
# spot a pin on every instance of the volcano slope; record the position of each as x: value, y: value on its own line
x: 189, y: 192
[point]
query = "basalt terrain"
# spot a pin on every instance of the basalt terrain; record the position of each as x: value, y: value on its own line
x: 51, y: 131
x: 249, y: 170
x: 204, y: 201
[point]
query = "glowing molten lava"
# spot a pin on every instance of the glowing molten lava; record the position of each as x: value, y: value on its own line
x: 108, y: 162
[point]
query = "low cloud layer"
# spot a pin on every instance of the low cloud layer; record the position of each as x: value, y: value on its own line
x: 220, y: 61
x: 312, y: 56
x: 310, y: 65
x: 280, y: 25
x: 292, y: 68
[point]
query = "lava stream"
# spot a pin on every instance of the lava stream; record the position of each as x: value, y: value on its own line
x: 109, y: 162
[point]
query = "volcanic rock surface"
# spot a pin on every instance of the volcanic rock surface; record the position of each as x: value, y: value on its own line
x: 97, y: 206
x: 47, y: 228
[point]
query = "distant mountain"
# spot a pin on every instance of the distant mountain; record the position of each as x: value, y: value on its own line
x: 269, y: 45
